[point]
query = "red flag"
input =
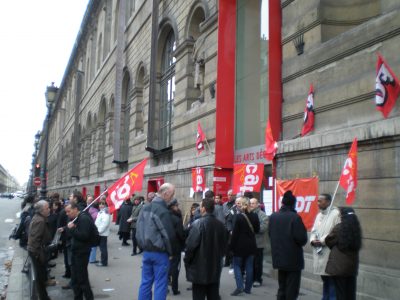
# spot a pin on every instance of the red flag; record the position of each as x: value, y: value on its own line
x: 271, y: 146
x: 200, y: 138
x: 125, y: 186
x: 198, y: 179
x: 348, y: 178
x: 247, y: 177
x: 387, y: 87
x: 308, y: 122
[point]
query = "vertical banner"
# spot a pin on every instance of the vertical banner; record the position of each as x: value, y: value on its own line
x: 198, y: 179
x: 247, y: 178
x: 306, y: 192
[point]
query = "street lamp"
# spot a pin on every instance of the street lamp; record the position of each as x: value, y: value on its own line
x: 51, y: 94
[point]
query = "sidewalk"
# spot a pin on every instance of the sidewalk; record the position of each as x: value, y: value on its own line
x: 121, y: 279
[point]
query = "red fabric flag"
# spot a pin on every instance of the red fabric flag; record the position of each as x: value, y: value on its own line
x: 271, y: 146
x: 125, y: 186
x: 387, y: 87
x: 198, y: 179
x: 308, y: 122
x: 348, y: 178
x: 247, y: 177
x: 200, y: 138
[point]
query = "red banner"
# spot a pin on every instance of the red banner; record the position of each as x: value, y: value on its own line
x: 198, y: 179
x: 306, y: 192
x: 247, y: 177
x: 125, y: 186
x: 348, y: 178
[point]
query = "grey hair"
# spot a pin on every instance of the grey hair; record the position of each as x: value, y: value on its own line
x: 40, y: 205
x: 165, y: 187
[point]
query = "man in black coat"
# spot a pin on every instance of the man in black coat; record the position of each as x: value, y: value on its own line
x: 288, y: 236
x: 205, y: 248
x: 124, y: 214
x: 80, y: 231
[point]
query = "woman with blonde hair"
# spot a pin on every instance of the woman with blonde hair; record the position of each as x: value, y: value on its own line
x: 243, y: 245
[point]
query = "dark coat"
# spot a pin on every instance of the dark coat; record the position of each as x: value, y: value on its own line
x: 124, y: 214
x: 205, y: 247
x: 340, y: 263
x: 288, y: 235
x: 80, y: 235
x: 243, y: 242
x: 39, y: 236
x: 180, y: 235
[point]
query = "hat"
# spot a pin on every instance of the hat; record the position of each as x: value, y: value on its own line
x: 289, y: 199
x: 172, y: 203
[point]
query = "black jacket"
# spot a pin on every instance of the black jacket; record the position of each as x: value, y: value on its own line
x: 243, y: 242
x: 178, y: 246
x: 80, y: 235
x: 205, y: 247
x: 124, y: 214
x: 288, y: 236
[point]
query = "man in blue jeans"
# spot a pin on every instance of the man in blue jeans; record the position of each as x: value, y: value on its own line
x: 155, y: 235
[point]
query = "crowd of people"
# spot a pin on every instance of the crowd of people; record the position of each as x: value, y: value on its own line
x: 212, y: 235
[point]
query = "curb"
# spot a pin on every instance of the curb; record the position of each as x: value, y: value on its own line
x: 17, y: 279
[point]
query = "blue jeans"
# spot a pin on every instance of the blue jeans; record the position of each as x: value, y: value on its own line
x: 154, y: 269
x: 92, y: 256
x: 248, y: 262
x: 328, y: 290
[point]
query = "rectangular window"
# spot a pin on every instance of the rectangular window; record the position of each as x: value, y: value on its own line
x: 251, y: 103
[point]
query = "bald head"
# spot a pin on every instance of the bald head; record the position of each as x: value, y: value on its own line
x: 166, y: 192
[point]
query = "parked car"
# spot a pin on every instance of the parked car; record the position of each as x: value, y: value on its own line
x: 19, y: 194
x: 7, y: 195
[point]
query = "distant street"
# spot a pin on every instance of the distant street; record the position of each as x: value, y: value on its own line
x: 8, y: 210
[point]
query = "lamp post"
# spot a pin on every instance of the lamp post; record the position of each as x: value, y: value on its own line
x: 51, y: 93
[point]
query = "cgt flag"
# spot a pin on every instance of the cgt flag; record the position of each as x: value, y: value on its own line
x: 308, y: 122
x: 387, y: 87
x: 198, y: 179
x: 348, y: 179
x: 125, y: 186
x: 200, y: 138
x: 247, y: 177
x: 271, y: 146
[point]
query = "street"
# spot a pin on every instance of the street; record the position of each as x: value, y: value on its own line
x: 8, y: 219
x: 121, y: 279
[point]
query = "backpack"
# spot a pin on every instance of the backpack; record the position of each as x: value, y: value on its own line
x: 94, y: 239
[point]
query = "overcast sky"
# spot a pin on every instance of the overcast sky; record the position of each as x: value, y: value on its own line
x: 36, y: 39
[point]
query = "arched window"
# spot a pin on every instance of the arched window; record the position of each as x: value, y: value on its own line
x: 99, y: 52
x: 167, y: 92
x: 125, y: 116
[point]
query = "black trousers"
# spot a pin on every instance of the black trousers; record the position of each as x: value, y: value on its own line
x: 103, y: 250
x: 345, y: 287
x: 134, y: 241
x: 203, y: 291
x: 258, y: 265
x: 80, y: 276
x: 289, y: 284
x: 174, y: 268
x: 39, y: 267
x: 66, y: 263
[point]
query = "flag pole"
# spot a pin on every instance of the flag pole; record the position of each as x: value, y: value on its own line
x: 87, y: 207
x: 208, y: 145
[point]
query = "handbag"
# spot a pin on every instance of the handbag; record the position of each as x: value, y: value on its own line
x: 248, y: 222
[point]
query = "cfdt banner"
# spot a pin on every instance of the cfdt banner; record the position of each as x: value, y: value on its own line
x: 247, y: 178
x: 306, y: 192
x: 198, y: 179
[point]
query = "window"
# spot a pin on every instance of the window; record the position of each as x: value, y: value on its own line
x: 167, y: 92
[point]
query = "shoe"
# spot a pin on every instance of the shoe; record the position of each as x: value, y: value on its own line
x: 100, y: 265
x: 176, y: 292
x: 256, y: 284
x: 189, y: 288
x: 51, y: 282
x: 237, y: 292
x: 230, y: 271
x: 66, y: 276
x: 66, y: 287
x: 51, y: 265
x: 126, y: 244
x: 93, y: 262
x: 247, y: 292
x: 133, y: 254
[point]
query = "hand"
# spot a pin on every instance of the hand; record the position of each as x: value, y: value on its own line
x: 129, y: 220
x: 71, y: 225
x: 60, y: 229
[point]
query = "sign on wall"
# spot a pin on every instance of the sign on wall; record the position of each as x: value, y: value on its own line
x: 306, y: 192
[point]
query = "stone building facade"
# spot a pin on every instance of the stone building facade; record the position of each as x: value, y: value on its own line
x: 143, y: 73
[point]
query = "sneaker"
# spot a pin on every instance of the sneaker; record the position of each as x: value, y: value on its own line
x: 93, y: 262
x: 230, y: 271
x: 66, y: 287
x: 256, y: 284
x: 176, y: 292
x: 237, y: 292
x: 100, y: 265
